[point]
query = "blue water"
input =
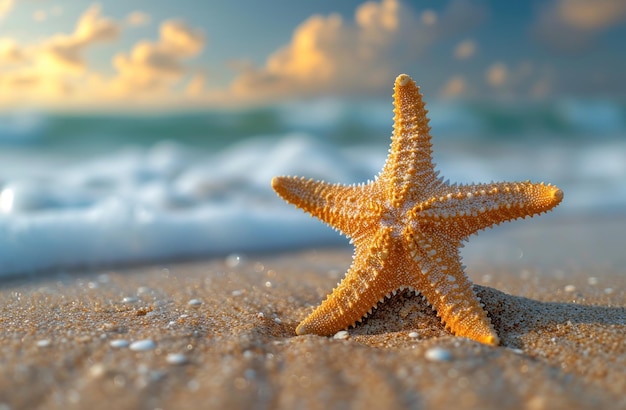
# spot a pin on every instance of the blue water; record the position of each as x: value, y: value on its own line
x: 98, y: 189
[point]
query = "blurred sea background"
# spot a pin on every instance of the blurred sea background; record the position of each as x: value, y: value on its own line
x: 149, y: 132
x: 83, y: 190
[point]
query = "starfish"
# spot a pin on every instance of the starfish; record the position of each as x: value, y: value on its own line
x: 407, y: 227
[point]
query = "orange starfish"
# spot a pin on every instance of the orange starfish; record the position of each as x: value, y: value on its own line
x: 407, y: 227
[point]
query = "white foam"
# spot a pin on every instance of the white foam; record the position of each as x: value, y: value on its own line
x: 169, y: 201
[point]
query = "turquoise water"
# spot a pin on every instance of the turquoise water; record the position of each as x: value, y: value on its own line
x: 98, y: 189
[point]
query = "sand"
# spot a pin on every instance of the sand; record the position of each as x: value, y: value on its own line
x: 220, y: 334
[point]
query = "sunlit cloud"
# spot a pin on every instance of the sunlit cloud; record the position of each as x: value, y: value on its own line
x: 196, y: 85
x: 454, y: 87
x: 429, y: 17
x: 521, y: 78
x: 53, y: 69
x: 10, y: 52
x: 150, y: 66
x: 66, y: 51
x: 330, y: 55
x: 137, y: 18
x: 5, y: 8
x: 56, y: 11
x: 591, y: 14
x: 40, y: 15
x: 465, y: 49
x: 97, y: 60
x: 496, y: 75
x: 572, y: 25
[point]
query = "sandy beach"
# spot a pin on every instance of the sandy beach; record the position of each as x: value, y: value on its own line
x: 220, y: 334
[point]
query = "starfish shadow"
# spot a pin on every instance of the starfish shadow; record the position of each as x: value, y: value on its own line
x: 513, y: 317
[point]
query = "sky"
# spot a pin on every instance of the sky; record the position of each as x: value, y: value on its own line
x: 142, y: 54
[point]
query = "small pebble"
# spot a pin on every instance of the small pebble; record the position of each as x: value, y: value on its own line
x: 194, y: 303
x: 237, y: 292
x: 43, y: 343
x: 176, y: 358
x: 592, y: 280
x: 233, y: 260
x: 143, y: 290
x: 277, y: 320
x: 438, y: 354
x: 413, y: 335
x: 142, y: 345
x: 341, y: 335
x: 97, y: 370
x: 119, y: 343
x: 129, y: 299
x: 569, y: 288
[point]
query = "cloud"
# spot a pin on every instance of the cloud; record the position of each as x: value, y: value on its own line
x: 151, y: 66
x: 454, y: 87
x: 56, y: 11
x: 496, y: 75
x: 40, y: 15
x: 5, y: 8
x: 572, y: 25
x: 429, y: 17
x: 137, y: 18
x: 195, y: 85
x: 66, y: 51
x: 591, y: 14
x: 54, y: 68
x: 521, y: 78
x: 10, y: 52
x: 330, y: 55
x: 465, y: 49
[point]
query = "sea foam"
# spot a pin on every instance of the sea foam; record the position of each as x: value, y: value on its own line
x: 173, y: 201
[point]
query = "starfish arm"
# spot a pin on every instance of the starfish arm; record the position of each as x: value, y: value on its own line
x: 409, y: 170
x: 351, y: 209
x: 438, y: 275
x: 366, y: 283
x: 466, y: 209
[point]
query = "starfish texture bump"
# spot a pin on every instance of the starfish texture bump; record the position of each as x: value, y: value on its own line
x: 407, y: 227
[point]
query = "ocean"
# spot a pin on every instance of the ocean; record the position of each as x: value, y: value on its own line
x: 100, y: 190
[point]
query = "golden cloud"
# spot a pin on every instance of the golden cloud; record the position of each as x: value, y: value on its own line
x: 327, y: 53
x: 571, y: 25
x: 40, y: 15
x: 454, y: 87
x: 5, y: 8
x: 465, y: 49
x: 153, y: 65
x: 52, y: 69
x: 55, y: 71
x: 496, y: 75
x: 591, y: 14
x: 330, y: 55
x: 137, y: 18
x: 10, y: 52
x: 66, y: 51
